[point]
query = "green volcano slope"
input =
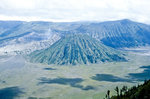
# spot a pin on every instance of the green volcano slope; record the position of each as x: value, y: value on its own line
x: 76, y: 49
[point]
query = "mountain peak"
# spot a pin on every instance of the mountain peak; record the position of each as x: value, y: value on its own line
x: 126, y: 21
x: 76, y: 49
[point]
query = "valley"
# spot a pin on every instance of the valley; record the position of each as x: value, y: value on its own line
x: 71, y: 60
x: 35, y: 80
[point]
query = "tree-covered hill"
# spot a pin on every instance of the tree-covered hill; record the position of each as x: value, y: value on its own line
x: 135, y: 92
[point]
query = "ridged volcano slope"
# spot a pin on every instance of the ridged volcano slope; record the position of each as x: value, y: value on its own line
x: 76, y: 49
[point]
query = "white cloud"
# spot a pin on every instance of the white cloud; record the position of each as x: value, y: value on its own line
x: 75, y: 10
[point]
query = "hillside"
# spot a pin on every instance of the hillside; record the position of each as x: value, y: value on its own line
x: 76, y: 49
x: 116, y: 34
x: 121, y: 33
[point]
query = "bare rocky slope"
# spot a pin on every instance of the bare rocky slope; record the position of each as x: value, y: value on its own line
x: 76, y: 49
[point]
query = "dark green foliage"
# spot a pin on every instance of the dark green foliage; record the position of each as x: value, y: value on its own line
x: 108, y: 94
x: 135, y: 92
x: 117, y: 91
x: 76, y: 49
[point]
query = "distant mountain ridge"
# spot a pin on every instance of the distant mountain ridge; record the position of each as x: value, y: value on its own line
x: 76, y: 49
x: 122, y: 33
x: 116, y: 34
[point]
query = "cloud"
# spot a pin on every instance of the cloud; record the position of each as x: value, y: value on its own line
x: 75, y: 10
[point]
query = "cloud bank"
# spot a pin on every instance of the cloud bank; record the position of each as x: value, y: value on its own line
x: 75, y: 10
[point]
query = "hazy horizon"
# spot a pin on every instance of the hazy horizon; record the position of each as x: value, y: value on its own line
x: 80, y: 21
x: 75, y: 10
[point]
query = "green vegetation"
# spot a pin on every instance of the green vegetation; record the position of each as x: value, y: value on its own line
x: 76, y: 49
x: 135, y: 92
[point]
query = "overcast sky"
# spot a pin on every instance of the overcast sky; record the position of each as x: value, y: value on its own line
x: 75, y: 10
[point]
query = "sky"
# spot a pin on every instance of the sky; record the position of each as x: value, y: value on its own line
x: 75, y: 10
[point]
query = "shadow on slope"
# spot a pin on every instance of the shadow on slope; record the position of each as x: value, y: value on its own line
x: 145, y: 75
x: 132, y: 77
x: 73, y: 82
x: 109, y: 78
x: 49, y: 68
x: 10, y: 92
x: 39, y: 98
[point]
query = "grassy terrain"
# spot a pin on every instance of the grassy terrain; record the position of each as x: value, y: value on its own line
x: 67, y: 82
